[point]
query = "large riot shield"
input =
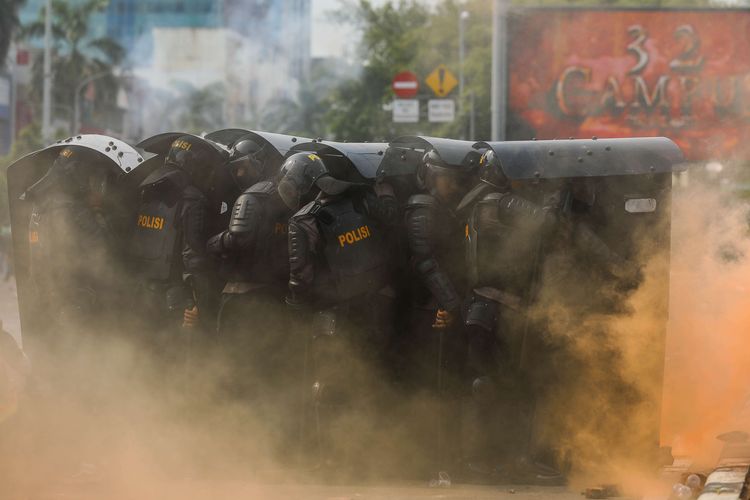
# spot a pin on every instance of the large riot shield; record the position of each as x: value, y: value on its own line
x: 356, y: 162
x: 597, y: 303
x: 404, y: 155
x: 274, y: 147
x: 125, y: 163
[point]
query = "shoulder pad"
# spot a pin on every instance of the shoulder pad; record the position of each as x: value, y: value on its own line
x: 421, y: 200
x: 495, y: 197
x: 476, y: 194
x: 307, y: 210
x: 264, y: 187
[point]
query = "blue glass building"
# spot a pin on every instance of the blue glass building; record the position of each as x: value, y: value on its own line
x: 130, y: 21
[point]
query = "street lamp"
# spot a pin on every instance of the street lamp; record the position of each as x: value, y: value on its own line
x: 77, y: 98
x: 499, y: 68
x: 47, y: 85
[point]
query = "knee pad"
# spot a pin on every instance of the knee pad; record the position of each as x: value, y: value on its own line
x: 325, y: 324
x: 482, y: 314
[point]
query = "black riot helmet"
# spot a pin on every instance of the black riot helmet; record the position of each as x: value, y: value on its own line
x: 433, y: 166
x: 245, y: 164
x: 195, y: 157
x: 77, y: 171
x: 491, y: 170
x: 300, y: 174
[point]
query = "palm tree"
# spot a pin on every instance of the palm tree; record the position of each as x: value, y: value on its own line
x: 8, y: 24
x: 76, y: 56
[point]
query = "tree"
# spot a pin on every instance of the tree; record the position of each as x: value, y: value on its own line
x: 390, y: 40
x: 76, y: 57
x: 8, y: 24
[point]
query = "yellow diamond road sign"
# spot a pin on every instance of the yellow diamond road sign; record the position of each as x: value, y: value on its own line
x: 441, y: 81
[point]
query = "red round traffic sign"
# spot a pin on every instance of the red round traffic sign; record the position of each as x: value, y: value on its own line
x: 405, y: 84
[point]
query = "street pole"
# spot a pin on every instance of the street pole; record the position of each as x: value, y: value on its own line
x: 499, y: 69
x: 13, y: 60
x: 461, y: 55
x: 472, y: 118
x: 47, y: 91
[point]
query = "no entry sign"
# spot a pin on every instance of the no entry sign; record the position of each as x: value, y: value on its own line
x: 405, y: 85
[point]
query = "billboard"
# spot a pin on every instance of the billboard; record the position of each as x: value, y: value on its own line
x: 683, y: 74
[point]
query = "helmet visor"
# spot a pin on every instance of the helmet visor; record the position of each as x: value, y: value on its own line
x: 245, y: 171
x: 290, y: 192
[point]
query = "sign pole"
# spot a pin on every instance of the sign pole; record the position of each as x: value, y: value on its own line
x: 462, y: 16
x: 499, y: 69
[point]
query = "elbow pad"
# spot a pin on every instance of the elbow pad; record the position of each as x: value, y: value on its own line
x: 439, y: 284
x: 220, y: 244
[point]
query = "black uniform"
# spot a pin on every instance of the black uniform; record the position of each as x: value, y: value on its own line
x: 179, y: 211
x: 338, y: 264
x: 72, y: 250
x: 73, y: 245
x: 253, y: 322
x: 173, y: 225
x: 77, y: 275
x: 436, y: 235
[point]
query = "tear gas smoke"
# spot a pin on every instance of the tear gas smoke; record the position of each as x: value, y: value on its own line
x: 707, y: 378
x: 145, y: 430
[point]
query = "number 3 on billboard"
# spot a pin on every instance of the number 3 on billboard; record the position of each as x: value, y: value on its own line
x: 639, y: 37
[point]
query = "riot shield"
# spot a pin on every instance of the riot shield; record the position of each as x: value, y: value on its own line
x: 276, y: 145
x: 586, y: 157
x: 124, y: 161
x: 405, y: 153
x: 356, y: 162
x: 607, y: 265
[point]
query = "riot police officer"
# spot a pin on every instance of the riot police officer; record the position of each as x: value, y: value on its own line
x: 175, y: 219
x: 76, y: 272
x: 508, y: 236
x: 338, y: 263
x: 254, y: 253
x: 435, y: 234
x: 68, y: 221
x: 505, y: 234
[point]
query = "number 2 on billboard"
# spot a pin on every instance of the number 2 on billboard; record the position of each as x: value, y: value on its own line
x: 688, y: 60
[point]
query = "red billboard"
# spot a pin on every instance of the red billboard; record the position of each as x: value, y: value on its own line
x: 683, y: 74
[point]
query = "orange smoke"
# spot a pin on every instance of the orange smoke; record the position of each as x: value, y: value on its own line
x: 707, y: 374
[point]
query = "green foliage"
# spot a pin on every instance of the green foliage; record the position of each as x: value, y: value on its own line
x: 75, y: 58
x: 29, y: 140
x: 407, y: 35
x: 8, y: 24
